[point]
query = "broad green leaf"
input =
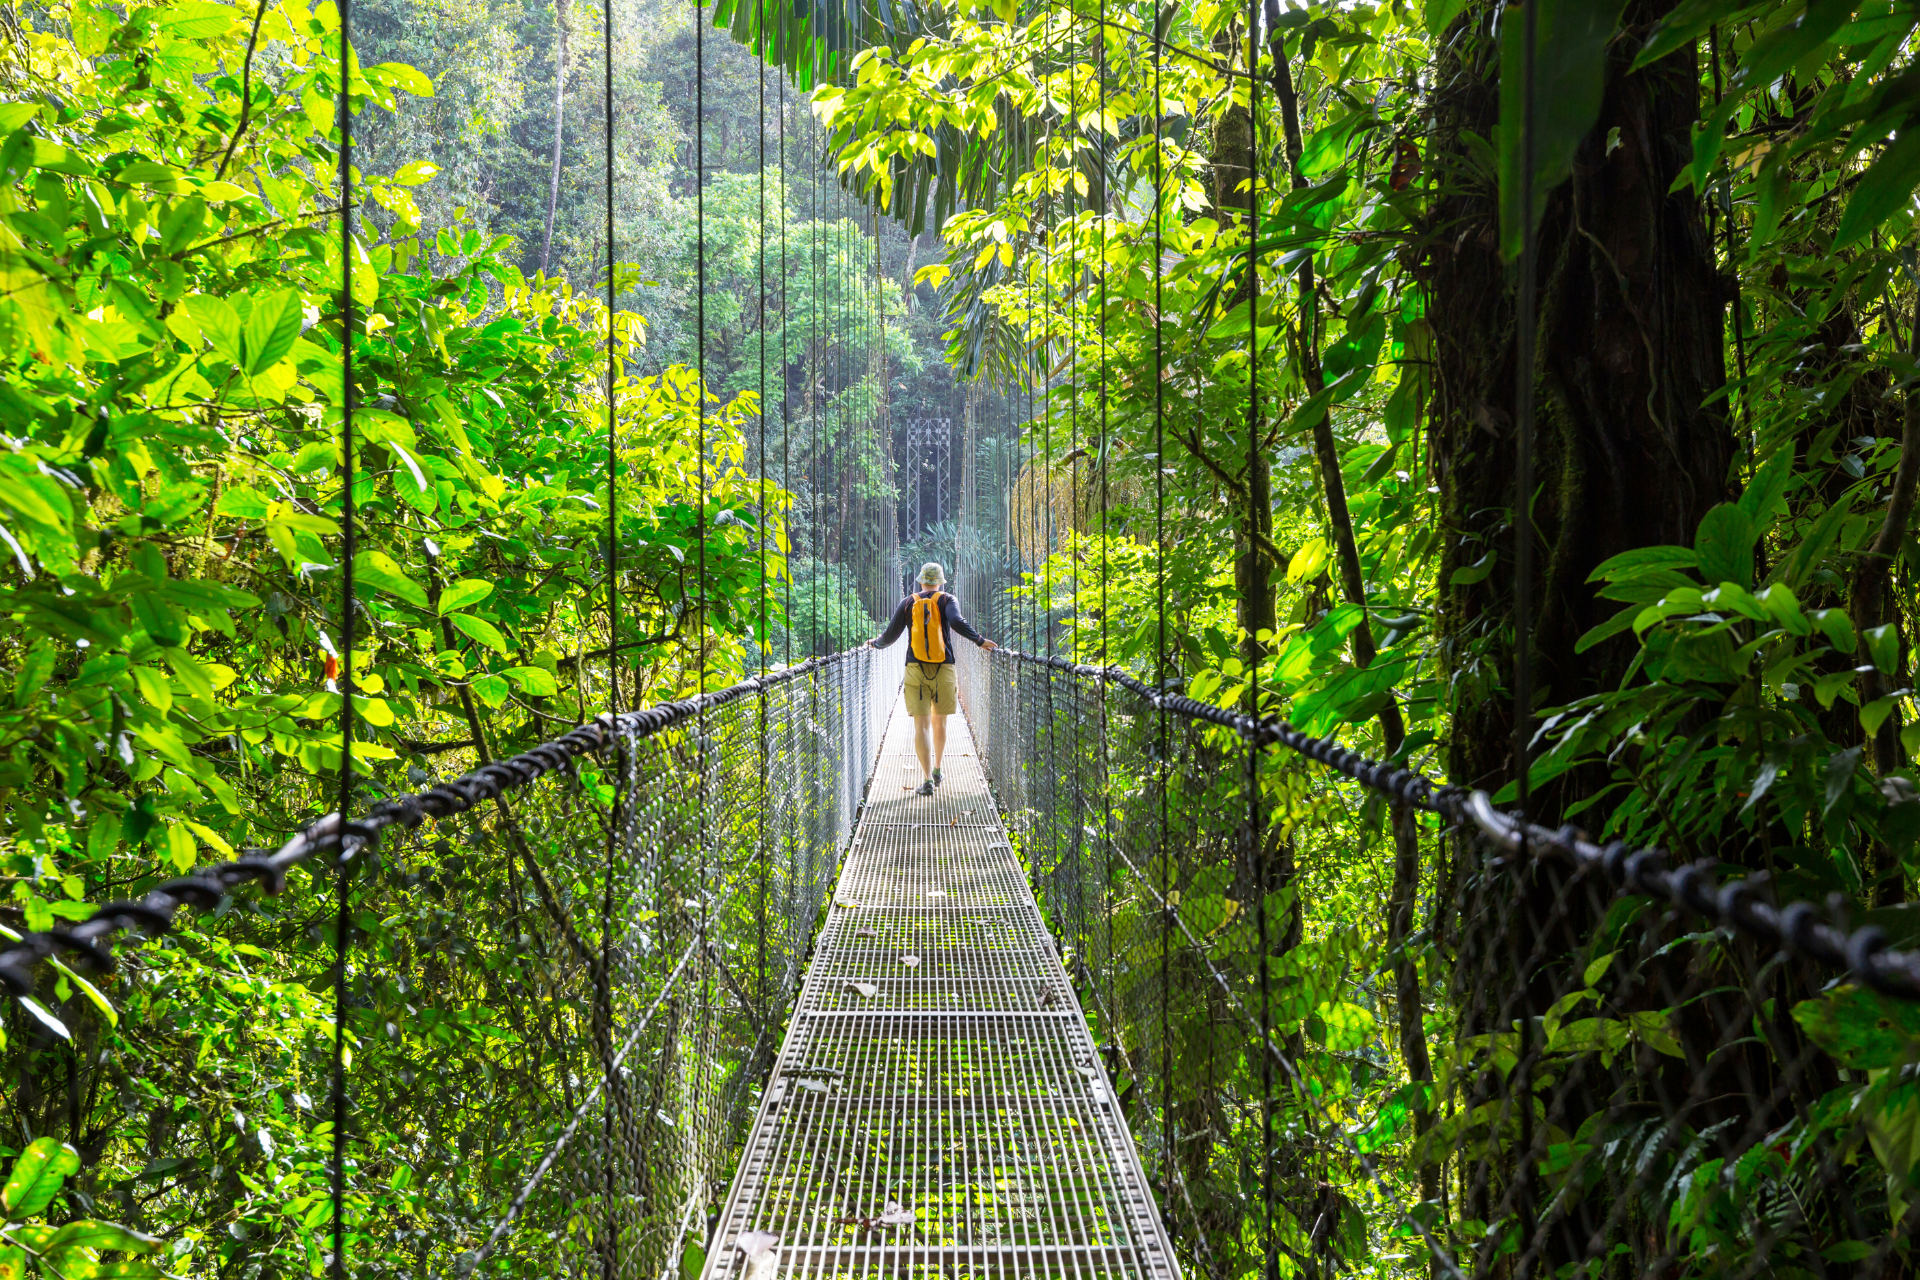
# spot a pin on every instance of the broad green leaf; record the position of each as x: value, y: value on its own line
x: 37, y: 1175
x: 220, y: 324
x: 1309, y: 561
x: 1570, y: 77
x: 479, y: 629
x: 102, y: 1236
x: 1349, y: 1026
x: 270, y: 330
x: 1837, y: 628
x: 1631, y: 563
x: 378, y: 570
x: 1724, y: 544
x: 1863, y: 1030
x: 491, y: 689
x: 535, y: 681
x: 1439, y: 14
x: 1883, y: 646
x: 463, y: 593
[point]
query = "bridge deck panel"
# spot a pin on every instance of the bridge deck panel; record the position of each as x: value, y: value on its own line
x: 965, y: 1087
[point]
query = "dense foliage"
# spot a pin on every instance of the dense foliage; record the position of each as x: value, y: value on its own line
x: 1728, y: 437
x: 1251, y: 273
x: 171, y: 326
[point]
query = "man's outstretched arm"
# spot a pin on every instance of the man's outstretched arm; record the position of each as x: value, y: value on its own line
x: 951, y: 608
x: 894, y: 628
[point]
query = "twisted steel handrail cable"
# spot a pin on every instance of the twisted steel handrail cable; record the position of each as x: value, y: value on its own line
x: 1738, y: 905
x: 154, y: 911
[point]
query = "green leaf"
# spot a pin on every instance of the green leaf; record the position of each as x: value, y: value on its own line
x: 1348, y: 1026
x: 102, y: 1235
x: 196, y: 19
x: 463, y: 593
x: 1863, y: 1030
x: 1439, y: 14
x: 378, y: 570
x: 1768, y: 488
x: 1477, y: 571
x: 1813, y: 548
x: 1570, y: 77
x: 36, y: 1177
x: 1837, y: 628
x: 1724, y: 543
x: 270, y: 330
x: 1883, y: 646
x: 479, y: 629
x: 1875, y: 714
x: 1882, y: 191
x: 219, y: 324
x: 491, y: 689
x: 1783, y: 608
x: 405, y: 77
x: 1841, y: 766
x: 536, y: 681
x: 1308, y: 562
x: 1607, y: 630
x: 1683, y: 25
x: 1630, y: 563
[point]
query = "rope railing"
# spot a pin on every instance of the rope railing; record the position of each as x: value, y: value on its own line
x: 564, y: 976
x: 1558, y: 1056
x: 204, y: 890
x: 1737, y: 905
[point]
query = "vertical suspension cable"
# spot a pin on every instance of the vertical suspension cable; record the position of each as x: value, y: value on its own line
x: 786, y: 397
x: 760, y: 243
x: 1523, y: 434
x: 613, y: 505
x: 1523, y: 579
x: 337, y: 1084
x: 1160, y: 592
x: 700, y: 495
x: 1256, y: 837
x: 603, y: 983
x: 765, y: 642
x: 1106, y: 448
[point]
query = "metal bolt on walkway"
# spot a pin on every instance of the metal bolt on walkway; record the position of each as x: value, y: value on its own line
x: 937, y: 1107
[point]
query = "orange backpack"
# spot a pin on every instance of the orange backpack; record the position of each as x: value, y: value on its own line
x: 929, y: 638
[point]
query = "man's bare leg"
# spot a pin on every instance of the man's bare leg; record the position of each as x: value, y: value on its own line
x: 920, y: 742
x: 939, y: 739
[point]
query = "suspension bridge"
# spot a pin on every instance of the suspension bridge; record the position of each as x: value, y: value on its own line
x: 797, y: 1020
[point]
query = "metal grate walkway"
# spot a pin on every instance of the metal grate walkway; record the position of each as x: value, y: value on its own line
x: 938, y: 1108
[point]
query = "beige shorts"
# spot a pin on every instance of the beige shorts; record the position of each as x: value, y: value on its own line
x: 938, y: 693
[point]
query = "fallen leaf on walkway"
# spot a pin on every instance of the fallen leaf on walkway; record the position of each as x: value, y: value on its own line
x: 912, y: 962
x: 755, y: 1243
x: 867, y: 989
x: 893, y: 1216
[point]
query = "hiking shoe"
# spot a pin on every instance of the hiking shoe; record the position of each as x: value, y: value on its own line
x: 936, y: 777
x: 925, y: 788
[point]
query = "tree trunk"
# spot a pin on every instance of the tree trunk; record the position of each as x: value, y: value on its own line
x: 1629, y: 342
x: 1629, y: 347
x: 1872, y: 577
x: 563, y: 19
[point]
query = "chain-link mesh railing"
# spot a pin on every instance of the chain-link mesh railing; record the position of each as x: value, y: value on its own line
x: 1560, y: 1060
x: 566, y: 976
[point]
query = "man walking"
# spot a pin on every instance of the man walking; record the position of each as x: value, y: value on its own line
x: 931, y: 616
